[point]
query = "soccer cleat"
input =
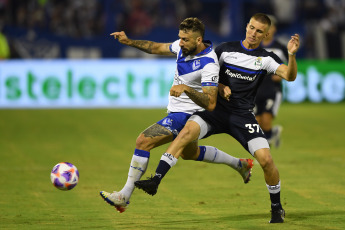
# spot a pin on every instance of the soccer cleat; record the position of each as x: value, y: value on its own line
x: 276, y: 132
x: 245, y: 169
x: 116, y: 199
x: 277, y: 216
x: 150, y: 186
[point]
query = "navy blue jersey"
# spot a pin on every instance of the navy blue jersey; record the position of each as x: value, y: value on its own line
x: 243, y: 70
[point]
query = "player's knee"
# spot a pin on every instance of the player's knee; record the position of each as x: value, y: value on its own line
x: 266, y: 121
x: 143, y: 143
x: 266, y: 161
x: 186, y: 135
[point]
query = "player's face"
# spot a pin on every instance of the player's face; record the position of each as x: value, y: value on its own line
x: 256, y: 32
x: 188, y: 42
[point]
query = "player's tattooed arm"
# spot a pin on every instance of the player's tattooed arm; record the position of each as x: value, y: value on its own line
x: 151, y: 47
x: 206, y: 99
x: 146, y: 46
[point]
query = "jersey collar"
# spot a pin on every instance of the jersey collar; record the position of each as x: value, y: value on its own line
x: 246, y: 48
x: 208, y: 49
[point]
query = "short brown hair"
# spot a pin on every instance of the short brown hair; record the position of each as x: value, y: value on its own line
x: 193, y: 24
x: 263, y: 18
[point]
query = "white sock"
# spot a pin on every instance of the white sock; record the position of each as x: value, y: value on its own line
x: 137, y: 168
x: 214, y: 155
x: 273, y: 188
x: 170, y: 159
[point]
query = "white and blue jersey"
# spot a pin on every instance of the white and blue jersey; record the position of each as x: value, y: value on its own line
x: 194, y: 71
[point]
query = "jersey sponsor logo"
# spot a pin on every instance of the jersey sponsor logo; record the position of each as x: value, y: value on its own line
x: 239, y: 76
x: 196, y: 64
x: 258, y: 62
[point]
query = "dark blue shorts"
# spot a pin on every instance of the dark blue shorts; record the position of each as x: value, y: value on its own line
x: 174, y: 122
x: 241, y: 126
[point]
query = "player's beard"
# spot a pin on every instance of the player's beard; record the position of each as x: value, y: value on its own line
x: 188, y: 52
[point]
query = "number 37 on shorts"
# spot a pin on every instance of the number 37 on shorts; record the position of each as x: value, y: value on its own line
x: 252, y: 128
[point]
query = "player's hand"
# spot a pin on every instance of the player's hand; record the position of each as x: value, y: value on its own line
x: 177, y: 90
x: 293, y: 44
x: 224, y: 91
x: 121, y: 37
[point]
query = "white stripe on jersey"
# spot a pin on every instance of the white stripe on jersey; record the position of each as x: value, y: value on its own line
x: 249, y: 62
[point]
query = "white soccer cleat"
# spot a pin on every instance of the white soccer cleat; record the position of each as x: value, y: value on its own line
x: 116, y: 199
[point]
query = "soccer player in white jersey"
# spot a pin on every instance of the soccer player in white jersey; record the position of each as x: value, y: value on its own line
x: 194, y: 89
x: 243, y: 65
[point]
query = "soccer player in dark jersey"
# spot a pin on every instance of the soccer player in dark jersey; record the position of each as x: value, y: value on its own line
x: 269, y: 94
x: 243, y: 65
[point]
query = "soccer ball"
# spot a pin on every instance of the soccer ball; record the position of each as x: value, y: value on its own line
x: 64, y: 176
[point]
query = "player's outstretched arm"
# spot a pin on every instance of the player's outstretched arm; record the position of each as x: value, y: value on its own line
x: 289, y: 72
x: 146, y: 46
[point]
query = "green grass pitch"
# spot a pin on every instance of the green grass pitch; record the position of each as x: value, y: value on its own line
x: 194, y: 195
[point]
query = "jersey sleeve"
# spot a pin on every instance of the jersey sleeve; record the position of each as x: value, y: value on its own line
x: 210, y: 74
x: 174, y: 47
x: 272, y: 63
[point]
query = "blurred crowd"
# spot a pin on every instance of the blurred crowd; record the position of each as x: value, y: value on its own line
x: 77, y: 18
x: 90, y: 19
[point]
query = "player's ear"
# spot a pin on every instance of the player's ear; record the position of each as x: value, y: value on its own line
x: 199, y: 40
x: 266, y: 35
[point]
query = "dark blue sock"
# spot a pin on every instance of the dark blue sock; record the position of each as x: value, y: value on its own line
x: 275, y: 201
x: 162, y: 169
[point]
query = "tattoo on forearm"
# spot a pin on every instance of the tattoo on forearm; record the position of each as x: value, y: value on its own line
x: 145, y: 46
x: 201, y: 99
x: 156, y: 130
